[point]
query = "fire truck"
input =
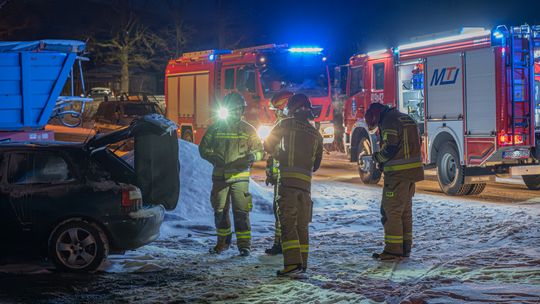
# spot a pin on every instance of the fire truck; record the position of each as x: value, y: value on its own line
x: 197, y: 81
x: 473, y: 95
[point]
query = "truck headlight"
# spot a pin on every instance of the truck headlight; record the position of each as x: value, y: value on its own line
x: 264, y: 131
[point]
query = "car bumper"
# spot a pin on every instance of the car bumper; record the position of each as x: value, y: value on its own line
x: 136, y: 229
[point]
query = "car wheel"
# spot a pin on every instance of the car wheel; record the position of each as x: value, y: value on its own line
x: 77, y: 245
x: 532, y: 181
x: 450, y: 172
x: 366, y: 166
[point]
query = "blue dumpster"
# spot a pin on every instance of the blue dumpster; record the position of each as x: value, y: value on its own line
x: 32, y: 75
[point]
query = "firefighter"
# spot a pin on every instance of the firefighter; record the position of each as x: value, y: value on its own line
x: 231, y: 145
x: 277, y: 104
x: 297, y: 146
x: 400, y: 159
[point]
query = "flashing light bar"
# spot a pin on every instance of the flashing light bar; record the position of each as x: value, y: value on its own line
x: 377, y: 52
x: 308, y: 49
x: 498, y: 34
x: 464, y: 36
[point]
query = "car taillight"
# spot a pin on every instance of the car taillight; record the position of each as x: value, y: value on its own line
x: 131, y: 198
x: 506, y: 139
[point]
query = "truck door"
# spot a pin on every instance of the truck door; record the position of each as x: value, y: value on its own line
x: 356, y: 93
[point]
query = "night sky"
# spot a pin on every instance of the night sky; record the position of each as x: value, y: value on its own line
x: 342, y: 27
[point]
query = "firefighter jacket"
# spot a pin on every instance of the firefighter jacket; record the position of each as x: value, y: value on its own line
x: 297, y: 146
x: 400, y: 152
x: 231, y: 147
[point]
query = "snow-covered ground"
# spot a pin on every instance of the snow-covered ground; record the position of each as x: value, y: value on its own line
x: 464, y: 251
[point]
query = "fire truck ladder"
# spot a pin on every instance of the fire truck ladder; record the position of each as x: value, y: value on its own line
x: 520, y: 77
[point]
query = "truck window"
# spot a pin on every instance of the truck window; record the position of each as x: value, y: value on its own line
x: 37, y: 168
x: 357, y: 80
x: 378, y: 76
x: 229, y: 79
x: 245, y: 80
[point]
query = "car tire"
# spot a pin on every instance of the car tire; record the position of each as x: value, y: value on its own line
x: 450, y: 172
x: 531, y: 181
x: 476, y: 189
x: 369, y: 174
x: 77, y: 245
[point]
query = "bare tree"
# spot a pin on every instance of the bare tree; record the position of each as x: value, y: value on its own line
x: 178, y: 33
x: 131, y: 44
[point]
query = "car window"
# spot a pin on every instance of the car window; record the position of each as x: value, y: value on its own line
x: 135, y: 109
x: 37, y: 168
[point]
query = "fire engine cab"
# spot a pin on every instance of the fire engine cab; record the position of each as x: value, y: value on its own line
x: 196, y: 82
x: 473, y: 95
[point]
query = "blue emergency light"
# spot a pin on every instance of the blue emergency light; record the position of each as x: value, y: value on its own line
x: 306, y: 49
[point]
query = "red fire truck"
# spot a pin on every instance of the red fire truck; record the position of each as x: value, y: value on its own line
x: 196, y: 82
x: 473, y: 95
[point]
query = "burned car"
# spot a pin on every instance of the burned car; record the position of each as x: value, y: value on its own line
x: 75, y: 203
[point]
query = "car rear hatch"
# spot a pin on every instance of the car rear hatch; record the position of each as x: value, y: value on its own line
x: 156, y: 157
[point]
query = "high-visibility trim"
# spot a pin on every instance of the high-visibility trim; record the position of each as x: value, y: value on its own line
x: 224, y: 232
x: 387, y: 132
x: 291, y: 148
x: 288, y: 245
x: 389, y: 193
x: 395, y: 237
x: 406, y: 144
x: 402, y: 167
x: 380, y: 158
x: 304, y: 248
x: 296, y: 175
x: 243, y: 234
x: 244, y: 174
x: 393, y: 241
x: 258, y: 155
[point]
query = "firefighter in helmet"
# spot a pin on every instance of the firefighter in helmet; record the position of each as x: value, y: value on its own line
x: 297, y: 146
x: 400, y: 159
x: 277, y: 104
x: 231, y: 145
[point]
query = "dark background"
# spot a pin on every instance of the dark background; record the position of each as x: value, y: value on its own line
x: 341, y: 27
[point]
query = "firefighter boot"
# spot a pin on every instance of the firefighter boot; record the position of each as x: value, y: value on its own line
x: 290, y: 270
x: 223, y: 244
x: 245, y: 252
x: 274, y: 250
x: 407, y: 246
x: 386, y: 257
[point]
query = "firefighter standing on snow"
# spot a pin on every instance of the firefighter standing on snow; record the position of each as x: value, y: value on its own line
x: 231, y: 145
x: 401, y: 160
x: 297, y: 146
x: 278, y: 104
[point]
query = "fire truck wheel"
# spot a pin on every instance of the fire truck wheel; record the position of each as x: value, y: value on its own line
x: 369, y: 174
x: 532, y: 181
x: 450, y: 171
x: 187, y: 135
x: 476, y: 189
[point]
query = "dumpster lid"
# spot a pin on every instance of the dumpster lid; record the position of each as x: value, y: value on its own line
x: 65, y: 46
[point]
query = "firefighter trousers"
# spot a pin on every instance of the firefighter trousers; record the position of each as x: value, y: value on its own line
x: 396, y: 211
x: 294, y: 208
x: 277, y: 233
x: 223, y: 195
